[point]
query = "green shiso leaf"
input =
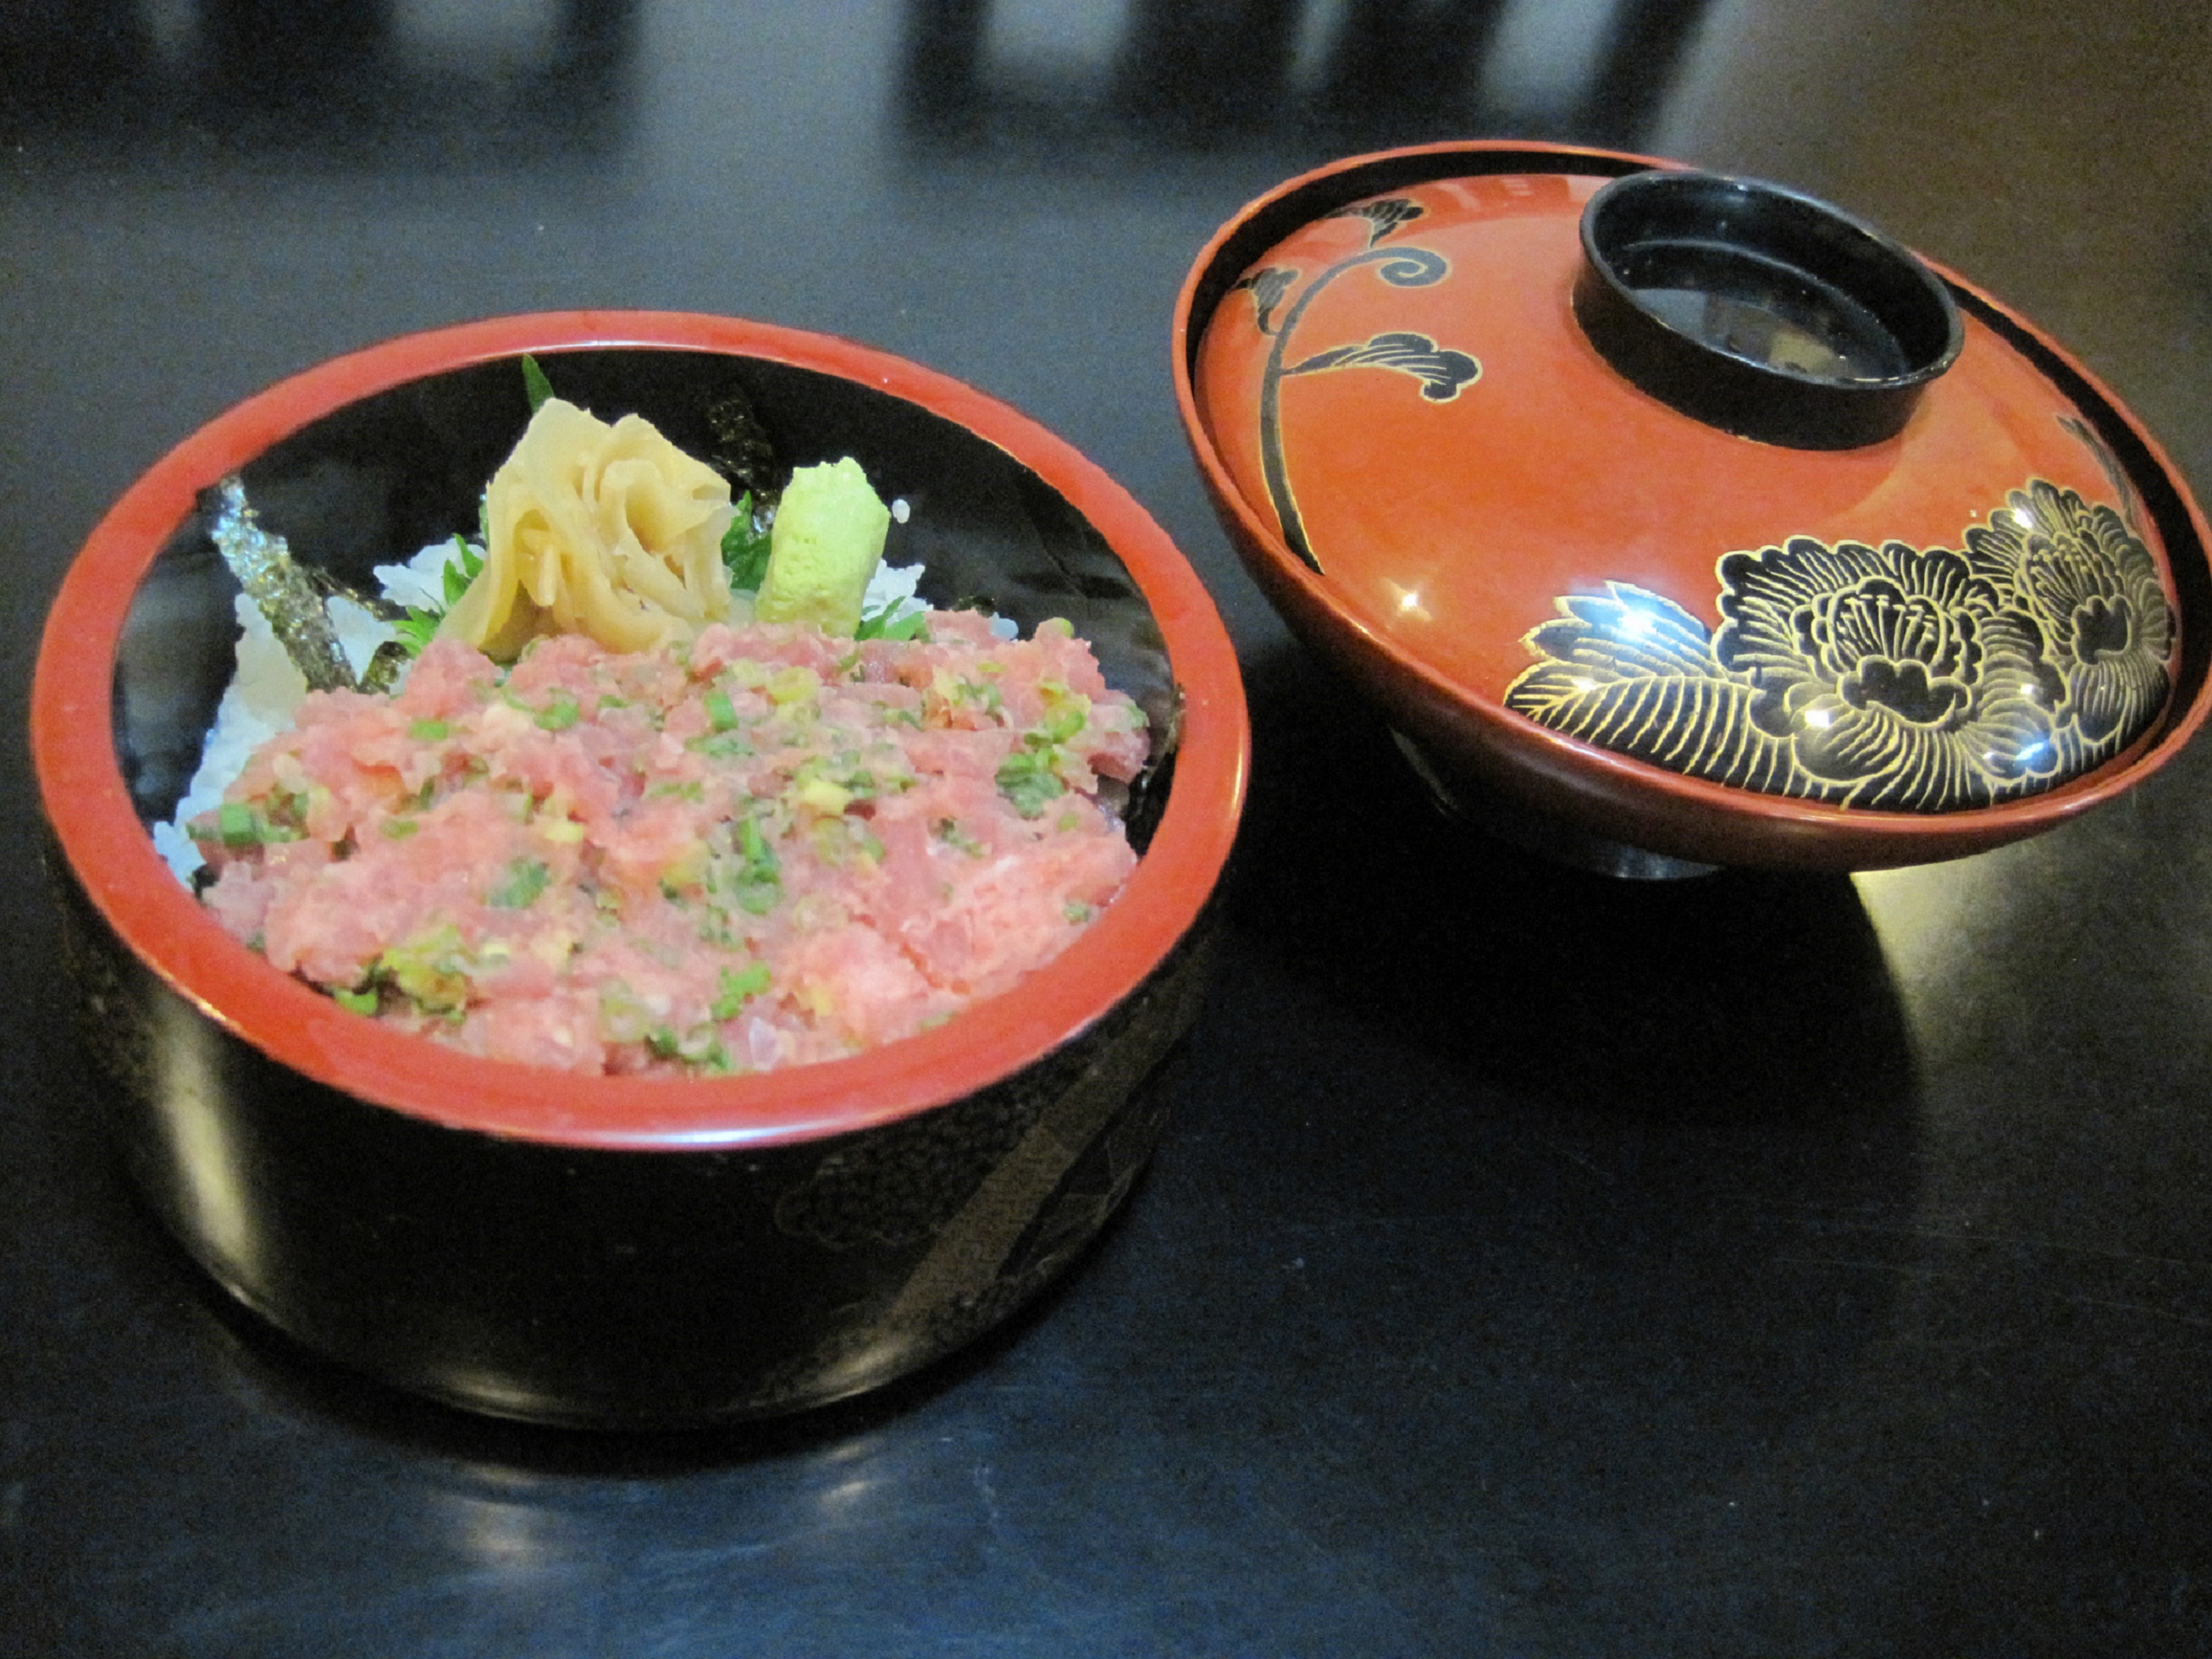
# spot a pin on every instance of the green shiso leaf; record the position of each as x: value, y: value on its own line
x: 534, y: 383
x: 461, y: 571
x: 744, y: 549
x: 419, y: 627
x: 888, y: 624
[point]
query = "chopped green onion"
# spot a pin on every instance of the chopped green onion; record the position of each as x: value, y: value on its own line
x: 1027, y: 779
x: 1065, y: 717
x: 755, y: 844
x: 430, y: 969
x: 738, y: 989
x: 525, y: 879
x: 237, y: 825
x: 559, y: 714
x: 791, y: 685
x: 759, y: 882
x: 949, y: 831
x: 726, y: 746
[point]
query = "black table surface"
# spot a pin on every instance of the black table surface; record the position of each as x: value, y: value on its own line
x: 1537, y: 1264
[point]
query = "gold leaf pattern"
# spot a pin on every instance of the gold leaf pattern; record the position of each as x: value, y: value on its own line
x: 1891, y: 677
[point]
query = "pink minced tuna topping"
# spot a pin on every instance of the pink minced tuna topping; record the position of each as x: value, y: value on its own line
x: 774, y: 848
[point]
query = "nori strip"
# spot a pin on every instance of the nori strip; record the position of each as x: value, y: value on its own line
x: 742, y: 452
x: 384, y: 668
x: 289, y: 596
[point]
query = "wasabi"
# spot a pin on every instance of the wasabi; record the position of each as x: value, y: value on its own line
x: 825, y: 544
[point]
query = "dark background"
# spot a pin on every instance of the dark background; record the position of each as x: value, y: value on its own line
x: 1537, y: 1266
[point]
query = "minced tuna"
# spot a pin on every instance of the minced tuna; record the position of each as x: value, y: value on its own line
x: 772, y: 847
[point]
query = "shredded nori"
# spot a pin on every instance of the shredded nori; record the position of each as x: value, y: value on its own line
x: 384, y: 668
x: 742, y: 452
x: 292, y: 597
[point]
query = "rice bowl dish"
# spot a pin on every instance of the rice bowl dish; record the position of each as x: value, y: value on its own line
x: 656, y: 1247
x: 647, y: 782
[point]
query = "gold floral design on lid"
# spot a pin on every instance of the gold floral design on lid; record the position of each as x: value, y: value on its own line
x: 1891, y: 677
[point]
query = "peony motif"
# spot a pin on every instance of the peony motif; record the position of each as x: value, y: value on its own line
x: 2111, y: 629
x: 607, y: 531
x: 1895, y: 677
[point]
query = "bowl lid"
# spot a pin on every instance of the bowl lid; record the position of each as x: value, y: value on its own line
x: 1701, y: 471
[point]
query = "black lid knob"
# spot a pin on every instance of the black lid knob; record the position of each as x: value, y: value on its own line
x: 1760, y: 310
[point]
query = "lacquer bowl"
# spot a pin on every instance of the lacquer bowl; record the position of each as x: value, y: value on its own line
x: 611, y: 1251
x: 1676, y: 520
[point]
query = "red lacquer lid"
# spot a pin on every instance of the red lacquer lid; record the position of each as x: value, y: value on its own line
x: 1434, y: 434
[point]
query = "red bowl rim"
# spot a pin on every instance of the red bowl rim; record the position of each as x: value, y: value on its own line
x: 89, y: 808
x: 1910, y: 837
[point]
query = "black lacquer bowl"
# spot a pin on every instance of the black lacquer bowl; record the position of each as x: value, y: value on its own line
x: 619, y: 1252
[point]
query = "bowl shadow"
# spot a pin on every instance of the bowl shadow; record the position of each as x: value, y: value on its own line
x: 1738, y: 996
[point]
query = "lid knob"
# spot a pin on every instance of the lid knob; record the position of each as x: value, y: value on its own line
x: 1760, y: 310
